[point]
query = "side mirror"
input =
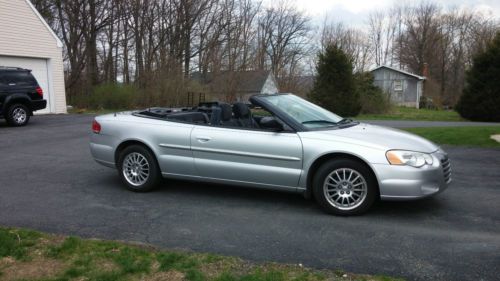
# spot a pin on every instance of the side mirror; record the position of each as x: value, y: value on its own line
x: 271, y: 123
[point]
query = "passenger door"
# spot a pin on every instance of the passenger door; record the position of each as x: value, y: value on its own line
x: 173, y: 149
x: 247, y: 156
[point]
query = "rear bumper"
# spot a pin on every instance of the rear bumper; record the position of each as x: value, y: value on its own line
x: 38, y: 105
x: 408, y: 183
x: 102, y: 148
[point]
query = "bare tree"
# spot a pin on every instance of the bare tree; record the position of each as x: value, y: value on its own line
x: 420, y: 37
x: 282, y: 38
x: 355, y: 43
x: 384, y: 29
x: 68, y: 16
x: 156, y: 44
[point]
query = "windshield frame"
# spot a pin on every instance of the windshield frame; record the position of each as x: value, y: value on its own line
x: 261, y: 100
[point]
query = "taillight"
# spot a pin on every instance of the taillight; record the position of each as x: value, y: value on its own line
x: 96, y: 127
x: 39, y: 91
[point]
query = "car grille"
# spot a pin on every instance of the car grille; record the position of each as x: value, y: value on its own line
x: 445, y: 163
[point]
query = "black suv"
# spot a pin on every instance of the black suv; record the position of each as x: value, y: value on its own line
x: 20, y: 95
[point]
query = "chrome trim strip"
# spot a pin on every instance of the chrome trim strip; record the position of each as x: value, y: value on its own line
x: 175, y: 146
x: 249, y: 154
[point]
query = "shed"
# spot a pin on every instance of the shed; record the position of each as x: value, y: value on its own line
x: 240, y: 85
x: 27, y: 41
x: 402, y: 87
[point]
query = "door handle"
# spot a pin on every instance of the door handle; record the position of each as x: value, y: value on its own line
x: 12, y: 84
x: 203, y: 139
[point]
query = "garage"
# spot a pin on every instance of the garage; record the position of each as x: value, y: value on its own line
x: 26, y: 41
x: 39, y: 69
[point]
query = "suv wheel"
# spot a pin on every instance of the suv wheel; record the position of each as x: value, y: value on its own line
x: 344, y: 187
x: 138, y: 168
x: 18, y: 115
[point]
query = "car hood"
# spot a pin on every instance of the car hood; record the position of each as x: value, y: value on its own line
x: 375, y: 136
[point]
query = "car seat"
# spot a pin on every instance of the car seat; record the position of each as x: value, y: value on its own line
x: 226, y: 115
x: 243, y: 115
x: 215, y: 116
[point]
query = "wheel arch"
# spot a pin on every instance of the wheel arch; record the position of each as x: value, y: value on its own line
x: 331, y: 156
x: 128, y: 143
x: 17, y: 99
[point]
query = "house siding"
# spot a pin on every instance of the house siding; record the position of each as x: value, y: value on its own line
x: 269, y: 86
x: 411, y: 87
x: 23, y: 34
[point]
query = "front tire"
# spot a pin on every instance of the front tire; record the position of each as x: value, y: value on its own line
x: 138, y: 169
x: 18, y: 115
x: 344, y: 187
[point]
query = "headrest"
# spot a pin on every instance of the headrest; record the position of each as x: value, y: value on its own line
x: 226, y: 113
x: 241, y: 110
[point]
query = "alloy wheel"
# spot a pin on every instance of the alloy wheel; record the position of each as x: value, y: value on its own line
x: 135, y: 168
x: 345, y: 188
x: 19, y: 115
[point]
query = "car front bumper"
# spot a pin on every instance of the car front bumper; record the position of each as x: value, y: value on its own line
x: 407, y: 183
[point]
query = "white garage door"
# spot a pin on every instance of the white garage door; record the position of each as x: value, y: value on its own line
x: 39, y: 69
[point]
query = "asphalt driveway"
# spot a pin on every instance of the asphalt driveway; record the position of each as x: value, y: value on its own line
x: 49, y: 182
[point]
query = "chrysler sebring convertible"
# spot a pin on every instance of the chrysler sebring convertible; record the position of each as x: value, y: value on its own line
x: 279, y: 142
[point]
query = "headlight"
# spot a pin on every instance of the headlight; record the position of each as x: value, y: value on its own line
x: 410, y: 158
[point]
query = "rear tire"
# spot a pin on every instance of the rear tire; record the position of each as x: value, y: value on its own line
x: 344, y: 187
x: 138, y: 168
x: 18, y: 115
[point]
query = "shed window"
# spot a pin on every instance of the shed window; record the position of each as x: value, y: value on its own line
x: 398, y: 85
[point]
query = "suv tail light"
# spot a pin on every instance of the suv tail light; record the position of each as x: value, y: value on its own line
x: 96, y: 127
x: 39, y: 91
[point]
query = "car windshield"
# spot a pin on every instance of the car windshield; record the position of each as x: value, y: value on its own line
x: 304, y: 112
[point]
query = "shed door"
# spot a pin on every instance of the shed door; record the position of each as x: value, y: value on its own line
x: 398, y: 89
x: 39, y: 69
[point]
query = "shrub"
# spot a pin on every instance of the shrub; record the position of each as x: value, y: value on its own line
x: 108, y: 96
x: 427, y: 103
x: 334, y: 84
x: 372, y: 98
x: 113, y: 96
x: 480, y: 100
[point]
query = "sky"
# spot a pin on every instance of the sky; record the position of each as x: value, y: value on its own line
x: 355, y: 12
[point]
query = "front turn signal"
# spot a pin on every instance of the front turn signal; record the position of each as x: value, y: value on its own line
x: 409, y: 158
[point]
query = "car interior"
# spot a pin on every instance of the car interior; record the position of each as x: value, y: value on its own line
x: 238, y: 115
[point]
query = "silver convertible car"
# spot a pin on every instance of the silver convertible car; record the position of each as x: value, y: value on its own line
x: 279, y: 142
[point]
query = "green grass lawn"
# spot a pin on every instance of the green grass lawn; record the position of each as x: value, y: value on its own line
x: 465, y: 136
x: 407, y: 113
x: 28, y: 255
